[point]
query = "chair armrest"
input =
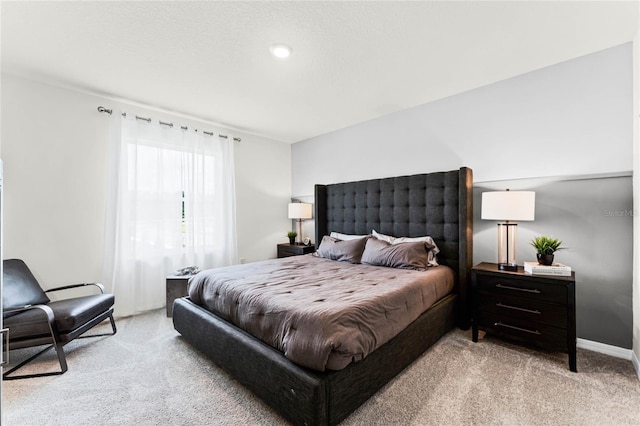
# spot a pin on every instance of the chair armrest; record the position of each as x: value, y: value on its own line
x: 66, y: 287
x: 20, y: 309
x: 47, y: 310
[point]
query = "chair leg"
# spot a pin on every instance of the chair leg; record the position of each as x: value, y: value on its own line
x: 113, y: 324
x: 113, y: 327
x: 61, y: 358
x: 58, y: 346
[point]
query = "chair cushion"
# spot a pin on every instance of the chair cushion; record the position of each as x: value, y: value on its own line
x: 20, y: 288
x: 69, y: 314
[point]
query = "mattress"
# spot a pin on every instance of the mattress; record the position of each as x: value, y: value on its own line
x: 321, y: 314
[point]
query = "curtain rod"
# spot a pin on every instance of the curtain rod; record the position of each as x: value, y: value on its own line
x: 148, y: 120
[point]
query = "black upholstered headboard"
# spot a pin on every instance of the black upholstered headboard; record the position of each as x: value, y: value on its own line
x: 436, y: 204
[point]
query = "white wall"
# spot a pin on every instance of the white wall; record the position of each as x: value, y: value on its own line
x: 572, y: 119
x: 54, y: 156
x: 263, y: 190
x: 54, y: 149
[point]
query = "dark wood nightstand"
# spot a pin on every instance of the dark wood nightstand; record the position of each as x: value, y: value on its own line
x: 286, y: 250
x: 176, y: 287
x: 537, y: 310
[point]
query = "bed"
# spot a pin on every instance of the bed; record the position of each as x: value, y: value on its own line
x: 436, y: 204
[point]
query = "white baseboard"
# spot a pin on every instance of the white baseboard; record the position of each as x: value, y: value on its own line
x: 636, y: 363
x: 603, y: 348
x: 615, y: 351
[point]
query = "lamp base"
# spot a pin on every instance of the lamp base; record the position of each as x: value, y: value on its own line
x: 507, y: 267
x: 507, y: 247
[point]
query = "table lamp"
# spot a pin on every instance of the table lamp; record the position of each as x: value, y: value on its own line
x: 508, y: 207
x: 299, y: 211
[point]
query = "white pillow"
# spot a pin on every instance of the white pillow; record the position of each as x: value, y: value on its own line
x: 433, y: 261
x: 346, y: 237
x: 387, y: 238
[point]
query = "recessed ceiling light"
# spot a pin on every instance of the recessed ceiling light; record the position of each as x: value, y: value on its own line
x: 280, y: 51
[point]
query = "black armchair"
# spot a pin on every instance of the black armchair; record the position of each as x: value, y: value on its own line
x: 33, y: 319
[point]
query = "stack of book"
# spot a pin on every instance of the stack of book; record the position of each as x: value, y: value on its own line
x: 557, y: 269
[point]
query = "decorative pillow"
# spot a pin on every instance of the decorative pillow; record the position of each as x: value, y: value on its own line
x: 433, y: 251
x: 411, y: 255
x: 346, y: 237
x: 344, y: 251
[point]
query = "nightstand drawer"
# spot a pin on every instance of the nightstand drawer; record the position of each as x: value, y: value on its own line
x: 286, y: 250
x: 527, y: 309
x: 533, y: 333
x: 529, y: 288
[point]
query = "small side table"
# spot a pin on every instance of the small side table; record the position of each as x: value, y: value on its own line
x: 286, y: 250
x: 538, y: 310
x: 176, y: 288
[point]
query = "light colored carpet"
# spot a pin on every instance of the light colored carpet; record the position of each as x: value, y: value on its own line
x: 148, y: 375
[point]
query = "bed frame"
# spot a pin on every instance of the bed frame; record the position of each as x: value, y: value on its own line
x: 437, y: 204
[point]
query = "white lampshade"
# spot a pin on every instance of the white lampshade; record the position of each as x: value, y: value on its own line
x: 509, y: 205
x: 299, y: 211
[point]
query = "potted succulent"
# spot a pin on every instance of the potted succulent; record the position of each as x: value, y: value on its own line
x: 545, y: 248
x: 292, y: 237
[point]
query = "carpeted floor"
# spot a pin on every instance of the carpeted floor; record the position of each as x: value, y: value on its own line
x: 147, y: 375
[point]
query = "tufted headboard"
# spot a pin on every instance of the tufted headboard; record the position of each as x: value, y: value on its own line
x: 437, y: 204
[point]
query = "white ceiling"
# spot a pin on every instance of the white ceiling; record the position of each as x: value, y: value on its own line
x: 351, y: 62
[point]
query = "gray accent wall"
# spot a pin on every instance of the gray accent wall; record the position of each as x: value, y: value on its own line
x: 565, y: 131
x: 593, y: 217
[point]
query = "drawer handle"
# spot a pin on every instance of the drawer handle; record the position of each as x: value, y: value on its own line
x: 531, y: 311
x: 508, y: 287
x: 500, y: 324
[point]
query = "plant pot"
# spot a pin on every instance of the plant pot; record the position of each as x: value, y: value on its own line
x: 292, y: 240
x: 545, y: 259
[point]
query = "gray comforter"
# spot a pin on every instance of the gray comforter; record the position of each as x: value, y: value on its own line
x: 320, y: 313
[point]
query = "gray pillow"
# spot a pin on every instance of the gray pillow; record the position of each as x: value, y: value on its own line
x: 344, y: 251
x: 411, y: 255
x: 433, y: 251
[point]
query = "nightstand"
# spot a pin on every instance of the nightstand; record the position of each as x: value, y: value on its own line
x: 286, y: 250
x: 537, y: 310
x: 176, y: 287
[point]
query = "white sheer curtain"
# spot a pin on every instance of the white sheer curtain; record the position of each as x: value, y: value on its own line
x: 171, y: 204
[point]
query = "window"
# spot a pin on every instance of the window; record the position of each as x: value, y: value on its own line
x: 173, y: 206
